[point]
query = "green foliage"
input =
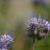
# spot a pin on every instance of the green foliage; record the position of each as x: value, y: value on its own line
x: 43, y: 44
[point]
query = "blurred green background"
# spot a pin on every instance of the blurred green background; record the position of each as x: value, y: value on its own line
x: 14, y: 14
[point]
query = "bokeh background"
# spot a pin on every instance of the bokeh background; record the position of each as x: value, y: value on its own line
x: 13, y: 17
